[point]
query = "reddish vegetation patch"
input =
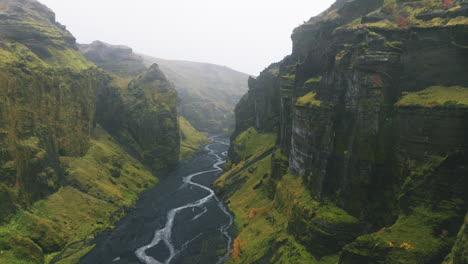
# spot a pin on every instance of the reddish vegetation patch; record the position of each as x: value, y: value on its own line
x: 252, y: 213
x: 448, y: 3
x: 377, y: 80
x: 391, y: 8
x: 236, y: 248
x: 17, y: 184
x: 402, y: 21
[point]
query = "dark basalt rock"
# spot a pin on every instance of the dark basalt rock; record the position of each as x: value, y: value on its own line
x: 372, y: 18
x: 354, y: 145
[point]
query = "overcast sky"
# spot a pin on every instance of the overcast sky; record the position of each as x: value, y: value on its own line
x: 246, y: 35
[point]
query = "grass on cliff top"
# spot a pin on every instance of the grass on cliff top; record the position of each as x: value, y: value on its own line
x: 398, y: 15
x: 308, y: 100
x: 14, y: 54
x: 435, y: 96
x: 251, y: 142
x: 191, y: 139
x: 104, y: 181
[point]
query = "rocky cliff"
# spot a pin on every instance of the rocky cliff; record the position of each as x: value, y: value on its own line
x: 122, y: 62
x: 370, y: 111
x: 147, y: 121
x: 207, y: 93
x: 62, y: 177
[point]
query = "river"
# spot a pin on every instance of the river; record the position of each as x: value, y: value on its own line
x: 179, y: 221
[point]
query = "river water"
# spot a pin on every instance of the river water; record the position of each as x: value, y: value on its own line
x: 180, y: 221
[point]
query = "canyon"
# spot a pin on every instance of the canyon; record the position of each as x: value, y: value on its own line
x: 351, y: 150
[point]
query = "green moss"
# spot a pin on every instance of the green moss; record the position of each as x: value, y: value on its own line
x: 68, y: 58
x: 262, y: 222
x: 340, y: 55
x: 396, y: 45
x: 289, y: 76
x: 191, y: 139
x: 308, y: 100
x: 250, y: 142
x: 314, y: 80
x: 275, y: 71
x: 262, y: 235
x: 402, y: 16
x: 18, y: 250
x: 461, y: 20
x: 106, y: 172
x: 436, y: 96
x: 419, y: 237
x: 106, y: 180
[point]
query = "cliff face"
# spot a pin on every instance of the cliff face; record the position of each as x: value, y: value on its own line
x: 47, y: 102
x: 373, y: 118
x: 63, y: 178
x: 147, y: 121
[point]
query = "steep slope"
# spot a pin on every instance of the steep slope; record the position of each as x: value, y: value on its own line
x: 63, y: 178
x: 47, y: 102
x: 371, y: 115
x: 147, y: 121
x: 208, y: 92
x: 125, y: 64
x: 145, y: 100
x: 191, y: 139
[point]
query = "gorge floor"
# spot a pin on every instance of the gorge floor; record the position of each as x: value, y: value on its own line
x: 181, y: 213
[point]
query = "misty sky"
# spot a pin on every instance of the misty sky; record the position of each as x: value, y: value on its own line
x: 246, y: 35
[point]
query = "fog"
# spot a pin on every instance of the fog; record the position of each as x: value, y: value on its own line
x: 241, y: 34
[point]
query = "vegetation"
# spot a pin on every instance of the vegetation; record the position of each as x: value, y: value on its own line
x: 192, y: 140
x: 405, y: 15
x: 436, y: 96
x: 267, y: 219
x: 105, y: 181
x: 261, y: 228
x: 63, y: 178
x: 308, y: 100
x: 417, y: 237
x: 250, y: 143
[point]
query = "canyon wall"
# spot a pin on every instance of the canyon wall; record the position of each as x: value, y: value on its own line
x: 371, y: 112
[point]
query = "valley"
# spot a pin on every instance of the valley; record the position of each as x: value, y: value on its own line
x: 353, y: 149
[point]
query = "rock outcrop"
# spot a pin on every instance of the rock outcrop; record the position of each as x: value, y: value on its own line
x: 372, y: 116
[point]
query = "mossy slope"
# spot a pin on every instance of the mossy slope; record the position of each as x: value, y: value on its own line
x: 191, y: 139
x: 63, y: 178
x: 46, y: 103
x: 269, y: 207
x: 99, y: 186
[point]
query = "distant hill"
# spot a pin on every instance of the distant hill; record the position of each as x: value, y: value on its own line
x: 116, y: 59
x: 208, y: 92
